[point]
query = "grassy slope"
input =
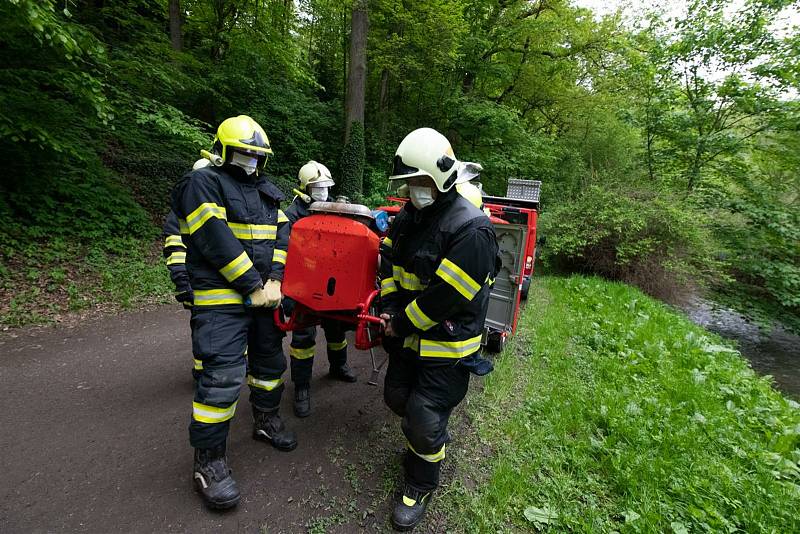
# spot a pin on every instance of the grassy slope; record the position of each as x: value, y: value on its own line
x: 611, y: 413
x: 39, y: 284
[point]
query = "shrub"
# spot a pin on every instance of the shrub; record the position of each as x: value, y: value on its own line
x: 640, y: 238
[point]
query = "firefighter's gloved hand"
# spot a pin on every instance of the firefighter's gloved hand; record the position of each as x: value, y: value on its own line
x: 272, y: 290
x: 257, y: 298
x: 186, y: 298
x: 387, y: 325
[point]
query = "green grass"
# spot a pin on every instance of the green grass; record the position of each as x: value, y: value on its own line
x: 609, y: 412
x: 41, y: 282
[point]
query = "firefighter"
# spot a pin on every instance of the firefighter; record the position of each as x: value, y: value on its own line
x: 236, y: 240
x: 471, y: 193
x: 437, y: 264
x: 174, y: 252
x: 315, y: 183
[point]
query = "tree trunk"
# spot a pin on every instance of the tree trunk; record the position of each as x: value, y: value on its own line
x: 352, y: 165
x: 383, y: 101
x: 357, y: 73
x: 175, y: 25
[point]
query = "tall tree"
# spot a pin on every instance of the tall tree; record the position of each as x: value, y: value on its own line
x: 353, y: 154
x: 357, y: 71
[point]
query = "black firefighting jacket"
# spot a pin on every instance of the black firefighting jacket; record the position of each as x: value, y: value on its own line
x: 235, y: 234
x: 175, y: 254
x: 297, y: 210
x: 437, y: 266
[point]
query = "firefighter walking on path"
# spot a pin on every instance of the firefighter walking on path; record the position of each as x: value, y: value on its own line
x: 315, y: 183
x: 236, y: 240
x: 437, y: 264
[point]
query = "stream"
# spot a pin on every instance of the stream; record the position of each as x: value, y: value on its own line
x: 775, y: 353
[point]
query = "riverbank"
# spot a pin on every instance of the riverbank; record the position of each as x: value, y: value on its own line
x: 610, y: 412
x: 771, y: 351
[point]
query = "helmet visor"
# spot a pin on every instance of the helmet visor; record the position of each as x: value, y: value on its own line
x: 260, y: 156
x: 401, y: 171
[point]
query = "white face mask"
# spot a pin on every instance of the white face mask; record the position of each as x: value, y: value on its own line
x: 320, y: 194
x: 245, y: 162
x: 421, y: 196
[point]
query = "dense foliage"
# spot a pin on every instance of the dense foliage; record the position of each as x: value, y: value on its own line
x: 667, y: 146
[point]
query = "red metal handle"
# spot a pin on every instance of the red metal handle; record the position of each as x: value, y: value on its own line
x: 280, y: 323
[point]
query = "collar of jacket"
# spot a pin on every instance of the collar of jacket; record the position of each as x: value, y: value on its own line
x: 260, y: 182
x: 268, y: 188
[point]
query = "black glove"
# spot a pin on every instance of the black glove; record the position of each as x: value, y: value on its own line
x: 186, y: 298
x: 477, y: 364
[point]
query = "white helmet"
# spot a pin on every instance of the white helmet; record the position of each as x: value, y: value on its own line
x: 426, y: 152
x: 316, y: 174
x: 200, y: 163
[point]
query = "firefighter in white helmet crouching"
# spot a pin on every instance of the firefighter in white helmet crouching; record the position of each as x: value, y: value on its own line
x: 437, y: 264
x: 315, y: 185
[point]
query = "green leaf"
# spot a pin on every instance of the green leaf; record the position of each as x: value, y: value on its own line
x: 543, y: 516
x: 630, y: 516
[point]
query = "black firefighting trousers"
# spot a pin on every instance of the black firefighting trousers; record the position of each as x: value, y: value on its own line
x: 424, y: 394
x: 302, y: 347
x: 232, y: 345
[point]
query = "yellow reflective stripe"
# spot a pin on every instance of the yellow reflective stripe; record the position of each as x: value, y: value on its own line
x: 460, y: 280
x: 184, y: 228
x: 408, y: 501
x: 176, y: 258
x: 433, y: 458
x: 387, y: 241
x: 204, y: 212
x: 301, y: 354
x: 174, y: 241
x: 387, y: 286
x: 337, y: 346
x: 211, y: 414
x: 268, y: 385
x: 411, y: 342
x: 198, y: 364
x: 449, y: 349
x: 418, y: 317
x: 282, y: 218
x: 215, y: 297
x: 279, y: 256
x: 237, y: 267
x: 406, y: 280
x: 253, y: 231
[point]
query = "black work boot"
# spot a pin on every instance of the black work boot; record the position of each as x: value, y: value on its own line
x: 302, y: 400
x: 343, y: 373
x: 268, y: 426
x: 212, y: 478
x: 408, y: 512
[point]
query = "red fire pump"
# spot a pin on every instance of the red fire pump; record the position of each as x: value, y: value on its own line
x: 331, y: 272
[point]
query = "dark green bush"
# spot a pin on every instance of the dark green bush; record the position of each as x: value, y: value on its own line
x: 641, y: 238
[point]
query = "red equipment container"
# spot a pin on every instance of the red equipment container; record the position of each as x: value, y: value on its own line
x: 331, y: 263
x: 331, y: 269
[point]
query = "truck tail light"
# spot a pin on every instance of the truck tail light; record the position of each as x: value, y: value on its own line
x: 528, y: 263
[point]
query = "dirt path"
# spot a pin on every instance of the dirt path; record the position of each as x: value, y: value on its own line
x: 94, y: 439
